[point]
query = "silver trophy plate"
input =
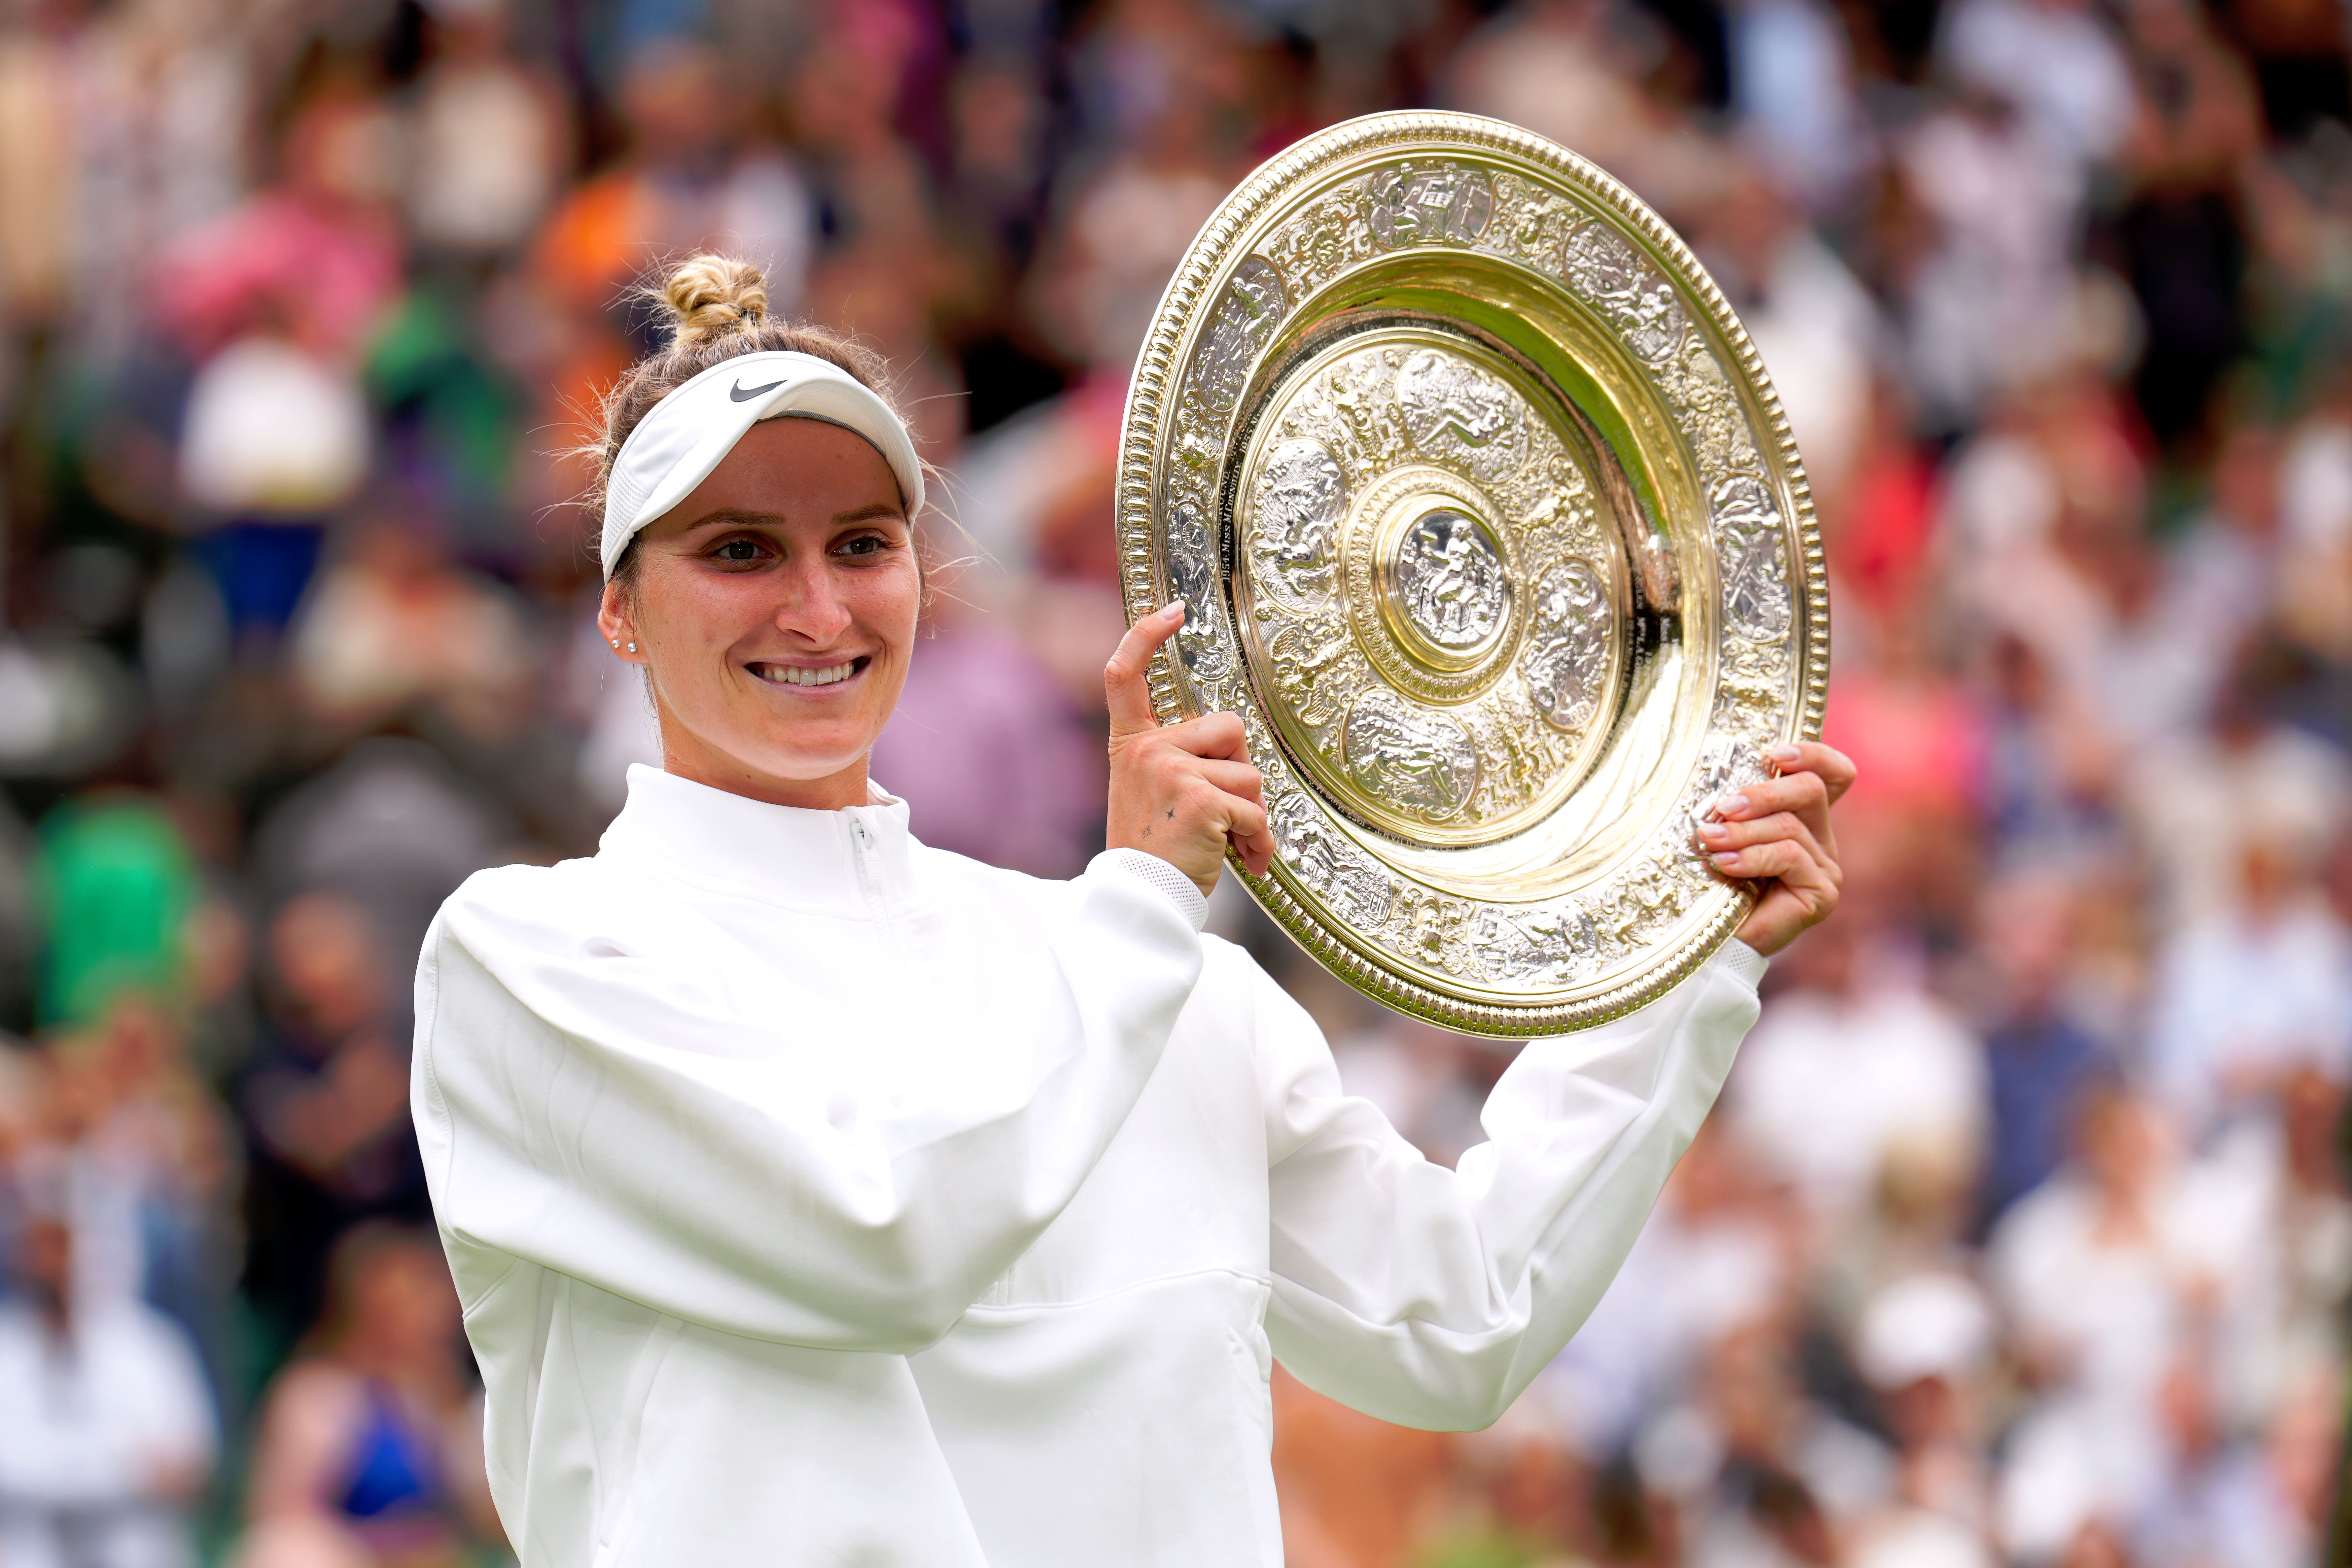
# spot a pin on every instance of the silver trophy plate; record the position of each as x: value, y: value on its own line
x: 1490, y: 527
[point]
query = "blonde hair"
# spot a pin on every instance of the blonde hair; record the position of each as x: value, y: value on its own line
x: 718, y: 308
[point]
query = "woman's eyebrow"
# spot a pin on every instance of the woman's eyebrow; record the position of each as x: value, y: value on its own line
x: 736, y: 517
x: 868, y: 513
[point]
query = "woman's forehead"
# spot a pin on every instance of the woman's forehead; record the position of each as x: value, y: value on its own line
x: 803, y: 453
x: 794, y: 470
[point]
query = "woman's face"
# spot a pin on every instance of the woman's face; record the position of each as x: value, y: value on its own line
x: 775, y: 607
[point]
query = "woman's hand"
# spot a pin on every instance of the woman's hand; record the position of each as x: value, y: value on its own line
x: 1777, y: 831
x: 1185, y: 791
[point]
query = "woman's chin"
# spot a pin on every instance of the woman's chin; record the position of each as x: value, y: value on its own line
x: 804, y: 763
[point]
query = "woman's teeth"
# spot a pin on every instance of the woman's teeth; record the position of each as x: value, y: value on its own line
x: 787, y: 675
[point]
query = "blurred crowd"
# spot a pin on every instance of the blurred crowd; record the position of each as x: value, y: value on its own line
x: 2022, y: 1234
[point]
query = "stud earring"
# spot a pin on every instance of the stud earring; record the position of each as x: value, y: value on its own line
x: 633, y: 648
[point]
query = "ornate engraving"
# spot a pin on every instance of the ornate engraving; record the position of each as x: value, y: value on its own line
x: 1333, y: 868
x: 1568, y: 645
x: 1431, y: 571
x: 1604, y: 265
x: 1300, y: 500
x: 1330, y: 234
x: 1455, y: 414
x: 1245, y: 324
x: 1451, y: 580
x: 1191, y: 569
x: 1406, y: 754
x: 1530, y: 222
x: 1750, y: 536
x: 1423, y: 203
x: 1317, y: 668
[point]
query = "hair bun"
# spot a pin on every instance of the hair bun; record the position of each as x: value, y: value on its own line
x: 711, y: 297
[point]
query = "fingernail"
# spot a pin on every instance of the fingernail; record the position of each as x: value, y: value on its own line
x: 1725, y: 857
x: 1712, y: 830
x: 1729, y: 804
x: 1173, y: 607
x: 1787, y: 754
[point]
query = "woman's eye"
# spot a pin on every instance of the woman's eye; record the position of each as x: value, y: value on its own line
x: 740, y: 549
x: 863, y: 544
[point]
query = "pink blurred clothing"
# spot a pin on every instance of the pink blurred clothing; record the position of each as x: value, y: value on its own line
x: 323, y: 277
x: 991, y: 759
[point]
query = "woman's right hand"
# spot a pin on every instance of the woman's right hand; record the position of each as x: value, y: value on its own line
x: 1182, y: 791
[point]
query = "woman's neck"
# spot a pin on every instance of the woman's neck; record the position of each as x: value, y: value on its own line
x: 836, y: 792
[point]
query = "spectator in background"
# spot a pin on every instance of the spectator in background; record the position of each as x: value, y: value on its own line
x: 2114, y: 1275
x: 1849, y: 1062
x: 325, y: 1106
x: 107, y: 1432
x: 274, y: 302
x: 2202, y: 800
x: 2251, y: 992
x: 1926, y: 1344
x: 490, y: 137
x: 370, y: 1452
x: 394, y: 623
x: 2040, y: 1058
x: 113, y: 883
x: 991, y: 753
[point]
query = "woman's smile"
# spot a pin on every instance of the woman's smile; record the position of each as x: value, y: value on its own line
x: 808, y: 675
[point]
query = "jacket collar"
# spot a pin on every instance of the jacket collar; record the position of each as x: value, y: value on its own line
x: 852, y: 862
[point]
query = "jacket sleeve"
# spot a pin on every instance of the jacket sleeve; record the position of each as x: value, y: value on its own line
x: 642, y: 1131
x: 1431, y: 1298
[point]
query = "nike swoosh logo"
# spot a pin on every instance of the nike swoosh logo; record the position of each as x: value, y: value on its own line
x: 740, y: 396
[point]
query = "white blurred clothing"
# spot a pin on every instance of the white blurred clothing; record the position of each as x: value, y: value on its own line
x: 1683, y: 1288
x: 2071, y: 1461
x: 1917, y: 1538
x: 2225, y: 1507
x: 1992, y: 304
x: 1793, y: 86
x: 816, y: 1194
x: 2111, y: 1311
x: 1818, y: 330
x: 1828, y: 1086
x: 2198, y: 803
x: 273, y: 428
x: 93, y: 1427
x: 2316, y: 524
x: 488, y: 148
x: 2056, y: 61
x: 2239, y: 1000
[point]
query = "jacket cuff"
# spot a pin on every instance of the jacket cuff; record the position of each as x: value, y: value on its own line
x: 1742, y: 963
x: 1159, y: 874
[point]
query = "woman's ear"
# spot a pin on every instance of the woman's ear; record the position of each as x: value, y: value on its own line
x: 613, y: 618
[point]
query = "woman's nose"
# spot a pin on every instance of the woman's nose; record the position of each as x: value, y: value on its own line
x: 811, y: 604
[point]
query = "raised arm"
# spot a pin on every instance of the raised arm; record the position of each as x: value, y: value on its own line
x: 1431, y: 1298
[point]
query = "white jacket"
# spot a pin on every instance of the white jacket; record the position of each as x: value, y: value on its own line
x: 818, y: 1197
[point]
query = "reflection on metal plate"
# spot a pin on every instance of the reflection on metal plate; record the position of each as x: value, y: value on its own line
x: 1493, y: 532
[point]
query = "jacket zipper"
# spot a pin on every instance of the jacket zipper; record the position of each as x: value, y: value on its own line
x: 870, y: 883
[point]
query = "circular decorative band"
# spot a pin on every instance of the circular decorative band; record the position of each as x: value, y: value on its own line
x: 1492, y: 531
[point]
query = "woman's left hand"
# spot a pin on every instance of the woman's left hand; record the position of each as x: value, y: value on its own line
x: 1777, y: 833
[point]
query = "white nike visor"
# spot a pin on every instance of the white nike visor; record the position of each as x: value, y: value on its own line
x: 688, y: 433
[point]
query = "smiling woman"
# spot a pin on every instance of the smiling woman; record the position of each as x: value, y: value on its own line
x: 816, y: 1196
x: 775, y: 607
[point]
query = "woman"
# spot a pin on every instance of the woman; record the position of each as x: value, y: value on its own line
x: 370, y: 1449
x: 818, y: 1197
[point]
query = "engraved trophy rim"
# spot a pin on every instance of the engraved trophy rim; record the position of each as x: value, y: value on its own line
x: 1501, y: 899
